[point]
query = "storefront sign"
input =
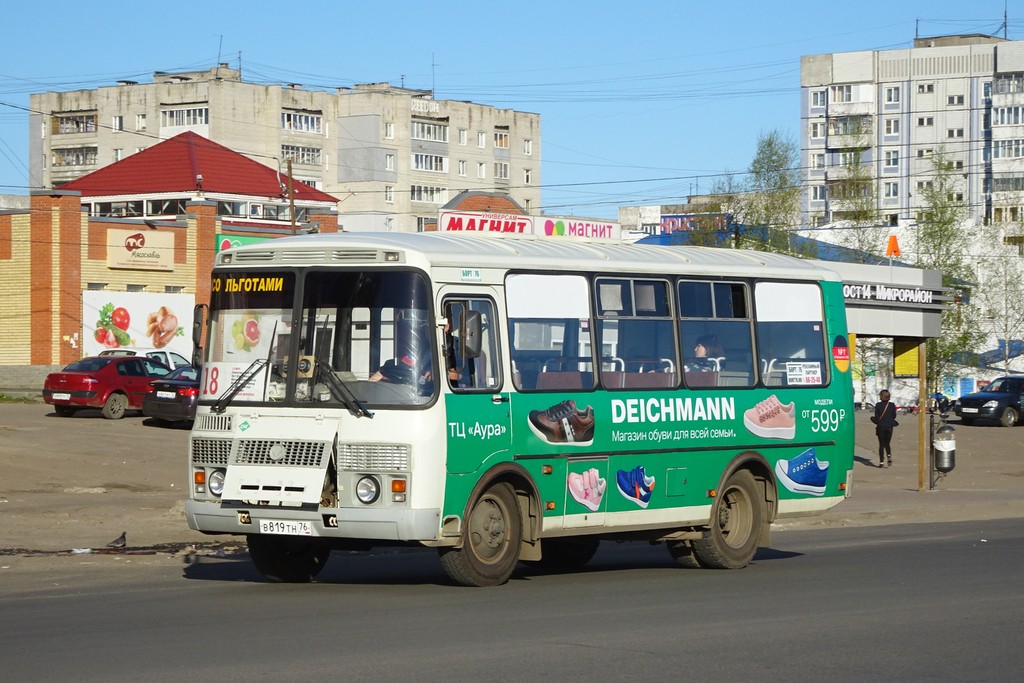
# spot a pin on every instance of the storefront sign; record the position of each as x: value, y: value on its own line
x: 140, y: 249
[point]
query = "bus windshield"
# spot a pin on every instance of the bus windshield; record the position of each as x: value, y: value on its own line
x: 354, y: 339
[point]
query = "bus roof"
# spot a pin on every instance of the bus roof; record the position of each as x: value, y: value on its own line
x: 520, y: 252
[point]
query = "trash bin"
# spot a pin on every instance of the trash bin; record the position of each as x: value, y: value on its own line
x: 944, y: 444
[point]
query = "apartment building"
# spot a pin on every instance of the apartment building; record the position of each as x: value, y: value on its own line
x: 392, y: 156
x: 881, y: 116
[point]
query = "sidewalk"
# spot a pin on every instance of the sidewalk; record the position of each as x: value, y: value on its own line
x: 987, y: 482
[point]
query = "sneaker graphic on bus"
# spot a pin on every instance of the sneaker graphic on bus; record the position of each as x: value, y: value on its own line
x: 587, y: 488
x: 771, y: 419
x: 564, y: 423
x: 803, y: 474
x: 635, y: 485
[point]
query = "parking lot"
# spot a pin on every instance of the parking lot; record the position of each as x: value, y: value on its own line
x: 80, y: 481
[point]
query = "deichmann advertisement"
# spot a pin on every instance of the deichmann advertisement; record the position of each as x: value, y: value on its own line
x: 513, y: 224
x: 140, y: 249
x: 112, y: 320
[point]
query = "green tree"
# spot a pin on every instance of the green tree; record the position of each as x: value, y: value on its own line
x: 942, y: 241
x: 1000, y: 290
x: 772, y: 199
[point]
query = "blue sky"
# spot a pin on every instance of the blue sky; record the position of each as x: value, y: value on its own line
x: 640, y: 103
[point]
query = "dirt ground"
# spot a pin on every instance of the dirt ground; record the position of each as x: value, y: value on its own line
x: 76, y: 483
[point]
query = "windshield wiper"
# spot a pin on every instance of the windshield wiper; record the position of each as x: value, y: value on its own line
x: 341, y: 391
x: 238, y: 385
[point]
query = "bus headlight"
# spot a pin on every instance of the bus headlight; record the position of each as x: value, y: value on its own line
x: 367, y: 490
x: 216, y: 482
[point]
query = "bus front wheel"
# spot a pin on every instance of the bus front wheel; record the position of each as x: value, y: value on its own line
x: 731, y: 539
x: 287, y: 559
x: 490, y: 540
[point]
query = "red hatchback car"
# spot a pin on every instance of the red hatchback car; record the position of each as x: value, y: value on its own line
x: 114, y: 384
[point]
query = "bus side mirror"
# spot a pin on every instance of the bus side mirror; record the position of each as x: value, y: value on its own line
x: 470, y: 334
x: 198, y: 319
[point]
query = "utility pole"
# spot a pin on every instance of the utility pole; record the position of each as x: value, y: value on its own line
x: 291, y: 196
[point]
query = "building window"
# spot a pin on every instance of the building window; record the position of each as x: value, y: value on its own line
x: 892, y: 95
x: 1007, y: 149
x: 527, y: 147
x: 925, y: 88
x: 118, y: 154
x: 96, y: 286
x: 958, y: 165
x: 527, y: 176
x: 842, y: 93
x: 501, y: 170
x: 389, y: 131
x: 301, y: 122
x: 1008, y: 116
x: 955, y: 100
x: 955, y: 133
x: 817, y: 130
x: 500, y: 139
x: 307, y: 156
x: 389, y: 162
x: 430, y: 162
x: 389, y: 194
x: 426, y: 193
x: 818, y: 193
x: 173, y: 289
x: 924, y: 153
x: 892, y: 190
x: 140, y: 122
x: 433, y: 132
x: 74, y: 156
x: 135, y: 288
x: 185, y: 116
x: 925, y: 120
x: 817, y: 98
x: 73, y: 123
x: 481, y: 140
x: 892, y: 126
x: 817, y: 161
x: 481, y: 171
x: 462, y: 168
x: 463, y: 136
x: 849, y: 158
x: 117, y: 124
x: 925, y: 185
x: 892, y: 159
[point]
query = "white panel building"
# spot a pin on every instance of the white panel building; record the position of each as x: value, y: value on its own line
x: 392, y: 155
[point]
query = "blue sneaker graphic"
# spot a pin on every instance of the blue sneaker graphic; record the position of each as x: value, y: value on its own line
x: 635, y: 485
x: 803, y: 474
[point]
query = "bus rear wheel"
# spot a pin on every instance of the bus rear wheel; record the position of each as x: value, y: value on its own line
x: 731, y: 539
x: 490, y: 540
x: 287, y: 559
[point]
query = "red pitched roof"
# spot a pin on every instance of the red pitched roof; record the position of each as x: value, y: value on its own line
x: 172, y: 166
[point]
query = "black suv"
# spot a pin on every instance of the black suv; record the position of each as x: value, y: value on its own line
x: 1000, y: 400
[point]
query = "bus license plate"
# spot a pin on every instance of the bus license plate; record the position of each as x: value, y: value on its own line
x: 61, y: 397
x: 286, y: 527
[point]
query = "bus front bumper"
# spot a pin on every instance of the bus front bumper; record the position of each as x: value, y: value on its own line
x: 364, y: 524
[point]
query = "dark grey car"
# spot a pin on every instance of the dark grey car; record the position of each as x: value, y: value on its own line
x: 1000, y: 400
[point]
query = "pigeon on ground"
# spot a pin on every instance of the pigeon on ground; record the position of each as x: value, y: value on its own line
x: 120, y: 541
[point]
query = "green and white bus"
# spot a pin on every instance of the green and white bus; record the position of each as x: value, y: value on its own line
x: 510, y: 400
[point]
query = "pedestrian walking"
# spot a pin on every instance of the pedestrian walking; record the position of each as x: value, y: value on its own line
x: 885, y: 420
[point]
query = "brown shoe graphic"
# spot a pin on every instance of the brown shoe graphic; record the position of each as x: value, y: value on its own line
x: 564, y: 423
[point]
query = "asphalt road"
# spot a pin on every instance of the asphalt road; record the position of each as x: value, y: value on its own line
x: 905, y: 602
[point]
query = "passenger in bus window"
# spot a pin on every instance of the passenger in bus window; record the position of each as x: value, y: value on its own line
x: 708, y: 354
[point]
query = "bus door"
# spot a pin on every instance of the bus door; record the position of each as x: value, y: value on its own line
x: 479, y: 431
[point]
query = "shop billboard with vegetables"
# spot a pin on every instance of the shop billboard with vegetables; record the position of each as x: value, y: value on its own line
x: 111, y: 320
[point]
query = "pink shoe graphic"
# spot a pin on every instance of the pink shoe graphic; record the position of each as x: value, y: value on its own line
x: 771, y: 419
x: 587, y: 488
